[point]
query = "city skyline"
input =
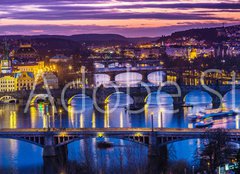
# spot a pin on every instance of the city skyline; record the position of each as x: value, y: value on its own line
x: 129, y: 18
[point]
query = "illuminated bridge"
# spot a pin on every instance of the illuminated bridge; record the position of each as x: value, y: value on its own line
x: 138, y: 94
x: 54, y: 140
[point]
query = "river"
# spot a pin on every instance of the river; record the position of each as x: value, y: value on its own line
x: 17, y: 157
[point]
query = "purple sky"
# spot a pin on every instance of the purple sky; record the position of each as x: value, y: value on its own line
x: 127, y: 17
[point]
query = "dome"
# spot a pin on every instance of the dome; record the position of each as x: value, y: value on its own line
x: 26, y: 53
x: 26, y: 49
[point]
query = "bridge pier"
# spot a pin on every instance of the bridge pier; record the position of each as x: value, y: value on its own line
x: 49, y: 149
x: 62, y: 152
x: 157, y: 155
x: 56, y: 164
x: 158, y: 164
x: 153, y: 149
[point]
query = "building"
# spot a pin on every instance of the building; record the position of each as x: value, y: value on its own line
x: 25, y: 80
x: 35, y: 68
x: 192, y: 54
x: 51, y: 79
x: 26, y: 53
x: 6, y: 63
x: 177, y: 52
x: 8, y: 83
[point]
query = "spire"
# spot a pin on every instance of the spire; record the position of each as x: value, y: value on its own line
x: 5, y: 50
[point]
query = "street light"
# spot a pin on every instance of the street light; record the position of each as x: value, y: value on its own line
x: 60, y: 113
x: 48, y: 121
x: 152, y: 120
x: 161, y: 114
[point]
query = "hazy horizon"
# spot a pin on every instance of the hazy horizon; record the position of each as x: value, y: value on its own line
x: 51, y: 34
x: 130, y: 18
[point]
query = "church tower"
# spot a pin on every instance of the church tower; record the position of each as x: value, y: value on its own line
x: 6, y: 63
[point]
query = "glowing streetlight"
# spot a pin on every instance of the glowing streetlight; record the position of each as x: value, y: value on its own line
x: 161, y: 117
x: 152, y: 120
x: 60, y: 114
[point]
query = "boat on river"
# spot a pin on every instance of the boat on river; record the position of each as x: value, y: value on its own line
x: 204, y: 123
x: 216, y: 113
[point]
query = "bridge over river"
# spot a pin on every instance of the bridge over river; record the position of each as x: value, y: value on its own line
x: 55, y: 141
x: 138, y: 94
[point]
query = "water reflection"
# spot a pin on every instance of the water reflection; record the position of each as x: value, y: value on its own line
x: 122, y: 157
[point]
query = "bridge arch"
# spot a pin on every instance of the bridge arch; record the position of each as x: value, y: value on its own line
x: 156, y: 77
x: 140, y: 138
x: 38, y: 141
x: 101, y: 79
x: 38, y: 97
x: 8, y: 99
x: 198, y: 97
x: 133, y: 139
x: 128, y: 78
x: 119, y: 97
x: 78, y: 96
x: 159, y: 98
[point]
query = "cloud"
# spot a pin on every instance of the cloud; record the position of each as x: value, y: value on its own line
x: 86, y: 29
x: 109, y: 9
x: 172, y: 11
x: 76, y: 15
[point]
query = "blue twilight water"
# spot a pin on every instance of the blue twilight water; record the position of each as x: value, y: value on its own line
x: 20, y: 157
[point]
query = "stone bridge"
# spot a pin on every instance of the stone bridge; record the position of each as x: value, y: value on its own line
x: 138, y: 94
x: 52, y: 139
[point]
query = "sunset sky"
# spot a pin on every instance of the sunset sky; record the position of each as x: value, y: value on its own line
x: 127, y: 17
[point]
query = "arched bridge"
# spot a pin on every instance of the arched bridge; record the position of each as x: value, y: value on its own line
x: 51, y: 139
x: 138, y: 94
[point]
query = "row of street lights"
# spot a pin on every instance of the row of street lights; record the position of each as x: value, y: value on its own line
x: 60, y: 111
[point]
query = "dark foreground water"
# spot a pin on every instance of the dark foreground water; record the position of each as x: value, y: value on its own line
x: 18, y: 157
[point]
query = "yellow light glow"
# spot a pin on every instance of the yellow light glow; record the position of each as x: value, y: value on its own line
x: 93, y: 120
x: 13, y: 120
x: 63, y: 134
x: 106, y: 116
x: 60, y: 111
x: 100, y: 134
x: 45, y: 121
x: 138, y: 134
x: 81, y: 121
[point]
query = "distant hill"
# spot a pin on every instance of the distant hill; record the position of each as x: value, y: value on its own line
x: 50, y: 45
x: 88, y: 39
x: 100, y: 39
x: 199, y: 34
x: 109, y: 39
x: 208, y: 34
